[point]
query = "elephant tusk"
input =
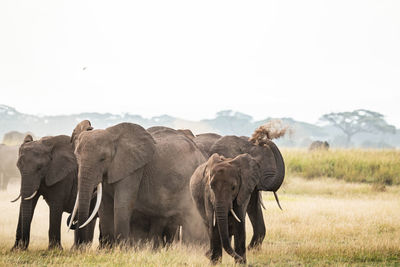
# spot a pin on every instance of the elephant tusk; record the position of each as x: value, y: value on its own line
x: 33, y: 195
x: 261, y: 201
x: 277, y: 200
x: 74, y: 212
x: 12, y: 201
x: 262, y: 205
x: 214, y: 219
x: 180, y: 235
x: 234, y: 215
x: 96, y: 208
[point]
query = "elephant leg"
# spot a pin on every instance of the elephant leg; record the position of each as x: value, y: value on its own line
x: 239, y: 230
x: 215, y: 245
x: 91, y: 227
x: 169, y: 233
x: 125, y: 195
x: 257, y: 220
x: 56, y: 211
x: 156, y: 232
x: 106, y: 221
x: 140, y: 228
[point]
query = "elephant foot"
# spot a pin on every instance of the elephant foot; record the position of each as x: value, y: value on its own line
x: 240, y: 260
x: 81, y: 246
x: 208, y: 253
x: 20, y: 245
x: 254, y: 246
x: 216, y: 261
x: 56, y: 246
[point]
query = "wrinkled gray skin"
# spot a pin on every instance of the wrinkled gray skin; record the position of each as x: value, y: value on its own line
x: 49, y: 167
x: 217, y: 186
x: 319, y: 145
x: 141, y: 171
x: 8, y: 165
x: 205, y: 141
x: 272, y: 169
x: 186, y: 132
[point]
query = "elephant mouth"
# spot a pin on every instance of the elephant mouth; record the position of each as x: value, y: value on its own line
x: 72, y: 220
x: 31, y: 196
x: 73, y: 225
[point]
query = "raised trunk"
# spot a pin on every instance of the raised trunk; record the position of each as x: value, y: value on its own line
x: 274, y: 183
x: 222, y: 221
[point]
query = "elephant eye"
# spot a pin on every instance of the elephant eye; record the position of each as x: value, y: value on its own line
x: 102, y: 159
x: 233, y: 188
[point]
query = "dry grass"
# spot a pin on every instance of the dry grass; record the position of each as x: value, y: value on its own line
x: 324, y: 222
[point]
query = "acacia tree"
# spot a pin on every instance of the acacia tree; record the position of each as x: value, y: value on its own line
x: 357, y: 121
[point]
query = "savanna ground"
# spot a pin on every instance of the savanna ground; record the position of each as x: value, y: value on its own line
x: 325, y: 220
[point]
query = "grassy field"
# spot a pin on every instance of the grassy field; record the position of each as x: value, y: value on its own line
x: 324, y: 222
x: 356, y: 165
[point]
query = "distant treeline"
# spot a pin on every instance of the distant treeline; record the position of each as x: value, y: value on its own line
x: 226, y: 122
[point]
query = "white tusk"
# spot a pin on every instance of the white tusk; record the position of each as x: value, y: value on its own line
x: 74, y: 212
x: 96, y: 208
x: 16, y: 198
x: 261, y: 201
x: 262, y: 205
x: 214, y: 219
x: 33, y: 195
x: 234, y: 215
x: 180, y: 234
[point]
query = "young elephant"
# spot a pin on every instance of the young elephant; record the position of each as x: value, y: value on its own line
x: 221, y: 189
x: 48, y: 168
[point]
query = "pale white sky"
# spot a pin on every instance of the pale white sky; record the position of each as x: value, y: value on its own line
x: 190, y: 59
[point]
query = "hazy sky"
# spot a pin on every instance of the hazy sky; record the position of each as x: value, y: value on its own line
x: 193, y: 58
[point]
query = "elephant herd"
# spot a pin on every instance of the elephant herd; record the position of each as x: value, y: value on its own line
x: 150, y: 186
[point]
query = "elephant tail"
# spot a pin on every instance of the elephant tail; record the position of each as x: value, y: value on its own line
x: 273, y: 129
x: 277, y: 200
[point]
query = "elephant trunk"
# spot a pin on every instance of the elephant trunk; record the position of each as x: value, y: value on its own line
x: 84, y: 195
x: 29, y: 186
x: 221, y: 213
x: 275, y: 182
x: 24, y: 224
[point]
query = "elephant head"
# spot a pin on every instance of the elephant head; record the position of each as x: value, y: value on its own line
x: 266, y: 153
x: 46, y: 161
x: 84, y: 125
x: 230, y: 182
x: 109, y: 156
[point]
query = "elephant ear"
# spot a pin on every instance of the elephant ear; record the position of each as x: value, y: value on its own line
x: 63, y: 161
x: 215, y: 158
x: 134, y: 148
x: 84, y: 125
x: 28, y: 138
x: 249, y: 171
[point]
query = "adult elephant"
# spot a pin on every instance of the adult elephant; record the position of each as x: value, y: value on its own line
x: 48, y: 168
x: 319, y: 145
x: 8, y: 162
x: 272, y: 168
x: 138, y: 170
x: 205, y: 141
